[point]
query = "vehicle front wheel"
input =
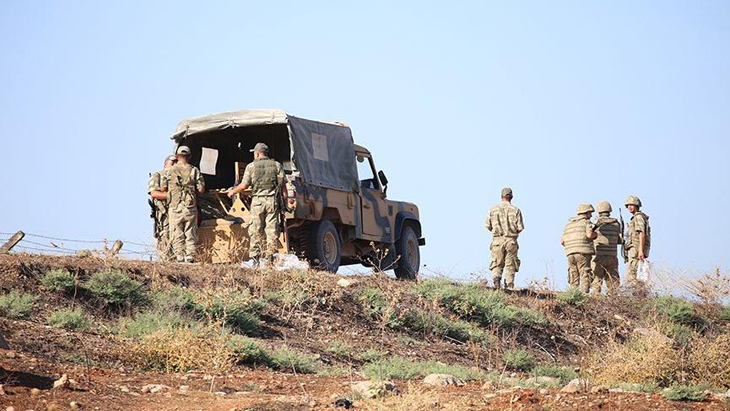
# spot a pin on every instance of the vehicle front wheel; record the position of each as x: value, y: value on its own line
x: 324, y: 248
x: 409, y: 255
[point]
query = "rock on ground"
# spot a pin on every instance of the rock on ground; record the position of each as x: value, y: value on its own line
x: 439, y: 380
x: 154, y: 388
x: 373, y: 389
x: 575, y: 386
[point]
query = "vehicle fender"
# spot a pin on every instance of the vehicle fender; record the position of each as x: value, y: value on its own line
x: 401, y: 218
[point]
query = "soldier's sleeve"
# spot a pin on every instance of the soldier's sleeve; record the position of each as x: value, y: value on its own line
x: 154, y: 183
x: 247, y: 175
x: 199, y: 182
x: 639, y: 223
x: 280, y: 173
x: 163, y: 181
x: 519, y: 222
x: 589, y: 227
x: 489, y: 220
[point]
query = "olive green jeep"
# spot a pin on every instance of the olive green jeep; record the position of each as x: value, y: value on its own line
x: 337, y: 212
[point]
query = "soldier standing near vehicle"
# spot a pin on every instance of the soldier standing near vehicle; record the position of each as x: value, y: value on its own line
x: 638, y: 241
x: 159, y: 210
x: 265, y: 176
x: 605, y: 262
x: 183, y: 182
x: 505, y: 223
x: 577, y: 240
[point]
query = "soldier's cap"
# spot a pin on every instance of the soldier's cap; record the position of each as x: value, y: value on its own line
x: 261, y: 148
x: 184, y: 150
x: 506, y: 192
x: 170, y: 158
x: 585, y: 208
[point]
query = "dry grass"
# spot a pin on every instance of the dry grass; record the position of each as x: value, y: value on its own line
x: 710, y: 361
x: 420, y: 398
x: 177, y: 350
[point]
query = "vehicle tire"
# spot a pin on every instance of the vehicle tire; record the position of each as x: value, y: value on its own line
x: 409, y: 255
x: 324, y: 249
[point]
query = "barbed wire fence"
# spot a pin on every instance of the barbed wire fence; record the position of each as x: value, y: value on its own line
x: 45, y: 244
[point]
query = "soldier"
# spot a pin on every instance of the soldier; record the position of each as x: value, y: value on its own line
x: 605, y: 262
x: 638, y: 242
x: 505, y: 223
x: 576, y: 239
x: 159, y: 204
x: 183, y: 182
x: 265, y: 176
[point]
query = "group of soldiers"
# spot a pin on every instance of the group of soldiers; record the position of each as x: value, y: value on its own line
x: 174, y: 198
x: 590, y: 246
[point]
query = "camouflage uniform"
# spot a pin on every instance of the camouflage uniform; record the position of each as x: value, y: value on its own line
x: 164, y: 246
x: 579, y: 250
x: 505, y: 223
x: 182, y: 182
x: 639, y: 223
x: 265, y: 177
x: 605, y: 262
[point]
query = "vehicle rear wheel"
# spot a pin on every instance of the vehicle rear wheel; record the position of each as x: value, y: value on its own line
x: 409, y: 255
x: 324, y: 248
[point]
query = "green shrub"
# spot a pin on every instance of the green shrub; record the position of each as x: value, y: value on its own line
x: 725, y: 313
x: 677, y: 310
x: 69, y: 319
x: 439, y: 325
x: 238, y: 310
x: 115, y: 288
x: 58, y: 281
x: 175, y: 299
x: 476, y: 303
x: 150, y: 322
x: 247, y: 351
x: 16, y: 305
x: 400, y: 368
x: 339, y: 348
x: 680, y: 333
x: 694, y: 393
x: 376, y: 305
x: 287, y: 360
x: 634, y: 387
x: 564, y: 374
x: 573, y: 296
x: 519, y: 360
x: 371, y: 355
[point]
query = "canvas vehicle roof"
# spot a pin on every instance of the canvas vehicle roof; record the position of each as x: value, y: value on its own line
x: 323, y: 153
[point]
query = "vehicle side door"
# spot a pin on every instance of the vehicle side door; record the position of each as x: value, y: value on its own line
x: 374, y: 218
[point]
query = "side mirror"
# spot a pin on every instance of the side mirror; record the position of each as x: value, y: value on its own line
x: 383, y: 178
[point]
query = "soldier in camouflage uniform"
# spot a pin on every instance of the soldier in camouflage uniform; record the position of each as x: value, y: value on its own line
x: 505, y: 223
x: 159, y: 201
x: 265, y: 177
x: 183, y: 182
x: 577, y: 240
x: 638, y: 241
x: 605, y: 262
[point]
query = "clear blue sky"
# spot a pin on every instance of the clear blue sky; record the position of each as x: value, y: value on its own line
x: 565, y: 102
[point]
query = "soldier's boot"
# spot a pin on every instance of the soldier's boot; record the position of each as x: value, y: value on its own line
x: 497, y: 283
x: 509, y: 279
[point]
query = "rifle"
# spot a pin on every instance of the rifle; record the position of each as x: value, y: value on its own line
x: 624, y: 251
x: 153, y: 216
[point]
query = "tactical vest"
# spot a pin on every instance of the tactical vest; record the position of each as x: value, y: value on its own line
x: 264, y: 176
x: 181, y: 185
x: 609, y: 232
x: 575, y: 238
x: 634, y: 236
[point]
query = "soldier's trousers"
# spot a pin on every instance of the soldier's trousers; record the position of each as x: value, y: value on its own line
x: 633, y: 266
x: 264, y: 229
x: 164, y: 245
x: 504, y: 260
x: 580, y: 274
x: 605, y: 268
x: 183, y: 232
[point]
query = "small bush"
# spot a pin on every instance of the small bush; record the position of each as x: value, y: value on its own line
x: 247, y: 351
x: 573, y: 296
x: 58, y: 281
x: 725, y: 313
x: 439, y: 325
x: 371, y: 355
x: 685, y: 393
x: 16, y: 305
x: 377, y: 306
x: 709, y: 361
x: 150, y: 322
x: 175, y: 299
x: 519, y: 360
x: 114, y: 288
x: 287, y: 360
x: 400, y: 368
x: 339, y: 348
x: 680, y: 333
x: 240, y: 310
x: 69, y: 319
x: 633, y: 387
x: 677, y: 310
x: 564, y: 374
x: 183, y: 349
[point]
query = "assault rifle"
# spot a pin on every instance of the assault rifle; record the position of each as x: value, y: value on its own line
x: 624, y: 251
x: 153, y: 216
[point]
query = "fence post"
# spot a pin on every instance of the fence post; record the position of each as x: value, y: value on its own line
x: 15, y: 239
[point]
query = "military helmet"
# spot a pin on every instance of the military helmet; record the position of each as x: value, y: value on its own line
x: 604, y: 207
x: 171, y: 158
x: 633, y: 200
x: 585, y: 208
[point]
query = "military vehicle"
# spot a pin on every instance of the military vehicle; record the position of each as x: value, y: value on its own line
x: 337, y: 207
